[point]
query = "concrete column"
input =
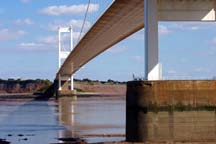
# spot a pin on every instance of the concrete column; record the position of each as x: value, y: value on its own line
x: 59, y: 59
x: 152, y: 68
x: 59, y: 48
x: 59, y: 83
x: 72, y: 46
x: 72, y: 83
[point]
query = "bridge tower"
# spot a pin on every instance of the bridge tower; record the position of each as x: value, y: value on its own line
x: 63, y: 81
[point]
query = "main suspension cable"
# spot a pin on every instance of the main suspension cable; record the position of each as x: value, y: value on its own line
x: 84, y: 21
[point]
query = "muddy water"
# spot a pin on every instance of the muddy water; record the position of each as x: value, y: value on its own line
x: 96, y: 120
x: 43, y: 122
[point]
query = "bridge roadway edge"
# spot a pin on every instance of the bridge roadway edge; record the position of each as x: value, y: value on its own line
x: 171, y: 110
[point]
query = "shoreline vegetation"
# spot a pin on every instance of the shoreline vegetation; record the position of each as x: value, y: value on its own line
x: 17, y: 88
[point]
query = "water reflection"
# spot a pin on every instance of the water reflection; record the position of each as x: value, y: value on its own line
x: 29, y: 122
x: 38, y: 122
x: 190, y: 126
x: 66, y: 107
x: 93, y: 118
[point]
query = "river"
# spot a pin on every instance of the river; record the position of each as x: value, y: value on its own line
x: 93, y: 119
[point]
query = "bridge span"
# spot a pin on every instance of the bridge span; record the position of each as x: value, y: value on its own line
x: 125, y: 17
x: 120, y: 20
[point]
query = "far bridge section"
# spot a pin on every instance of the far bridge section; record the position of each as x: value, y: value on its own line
x: 120, y: 20
x: 125, y: 17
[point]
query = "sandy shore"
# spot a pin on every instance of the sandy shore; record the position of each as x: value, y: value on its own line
x: 167, y: 142
x: 15, y: 94
x: 22, y: 97
x: 83, y: 96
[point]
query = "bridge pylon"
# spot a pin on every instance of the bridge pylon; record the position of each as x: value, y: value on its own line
x: 65, y: 82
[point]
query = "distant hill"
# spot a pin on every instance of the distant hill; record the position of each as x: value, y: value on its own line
x: 100, y: 87
x: 23, y: 86
x: 82, y: 86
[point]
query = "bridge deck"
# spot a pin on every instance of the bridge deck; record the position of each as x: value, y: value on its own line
x: 125, y: 17
x: 112, y: 27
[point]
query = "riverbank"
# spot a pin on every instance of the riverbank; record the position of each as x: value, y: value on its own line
x: 17, y: 86
x: 31, y: 96
x: 100, y: 88
x: 165, y: 142
x: 17, y: 96
x: 30, y: 89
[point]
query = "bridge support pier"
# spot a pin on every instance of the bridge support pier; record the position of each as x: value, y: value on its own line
x: 171, y: 111
x: 65, y: 86
x: 152, y: 67
x: 62, y: 80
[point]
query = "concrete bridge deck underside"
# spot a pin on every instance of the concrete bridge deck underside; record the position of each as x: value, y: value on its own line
x: 125, y: 17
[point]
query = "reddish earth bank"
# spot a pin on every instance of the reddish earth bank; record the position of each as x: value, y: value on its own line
x: 31, y: 86
x: 27, y: 86
x: 115, y: 89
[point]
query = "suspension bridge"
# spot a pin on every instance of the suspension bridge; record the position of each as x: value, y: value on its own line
x: 120, y: 20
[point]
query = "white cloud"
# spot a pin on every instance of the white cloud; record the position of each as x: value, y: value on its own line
x: 163, y: 30
x: 72, y: 9
x: 192, y: 25
x: 49, y: 40
x: 32, y: 44
x: 24, y: 21
x: 42, y: 44
x: 76, y: 24
x: 117, y: 49
x: 53, y: 39
x: 6, y: 34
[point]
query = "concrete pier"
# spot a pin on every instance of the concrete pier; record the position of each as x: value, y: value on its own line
x: 65, y: 91
x: 183, y: 111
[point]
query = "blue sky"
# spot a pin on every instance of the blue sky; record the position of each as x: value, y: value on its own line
x: 28, y: 38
